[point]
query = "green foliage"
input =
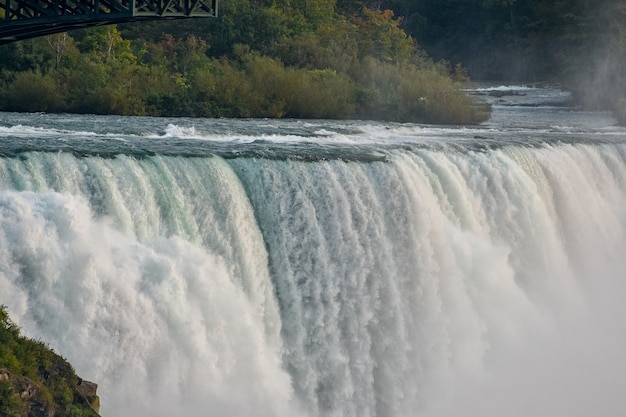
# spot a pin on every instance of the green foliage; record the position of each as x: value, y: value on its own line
x: 405, y: 93
x: 11, y: 405
x: 105, y: 44
x: 303, y: 49
x: 381, y: 36
x: 280, y: 58
x: 513, y: 39
x: 32, y: 91
x: 254, y: 85
x: 330, y: 48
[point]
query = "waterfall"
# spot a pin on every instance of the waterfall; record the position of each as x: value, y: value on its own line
x: 431, y: 282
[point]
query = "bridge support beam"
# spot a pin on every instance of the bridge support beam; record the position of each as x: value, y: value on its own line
x: 24, y: 19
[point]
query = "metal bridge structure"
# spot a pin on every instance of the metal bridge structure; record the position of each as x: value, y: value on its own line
x: 24, y: 19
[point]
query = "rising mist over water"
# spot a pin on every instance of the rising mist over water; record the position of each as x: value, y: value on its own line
x: 290, y: 268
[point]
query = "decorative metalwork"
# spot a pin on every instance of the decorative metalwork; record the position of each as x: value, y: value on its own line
x: 23, y: 19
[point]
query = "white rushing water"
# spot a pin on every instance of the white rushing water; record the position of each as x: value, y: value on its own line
x: 462, y: 277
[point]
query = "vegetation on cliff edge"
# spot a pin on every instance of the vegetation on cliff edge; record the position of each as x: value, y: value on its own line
x: 35, y: 381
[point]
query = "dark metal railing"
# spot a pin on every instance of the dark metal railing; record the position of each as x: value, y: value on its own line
x: 24, y: 19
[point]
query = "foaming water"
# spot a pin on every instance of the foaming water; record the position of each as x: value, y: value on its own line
x: 564, y: 240
x: 162, y: 325
x: 317, y: 278
x: 437, y: 280
x: 167, y: 320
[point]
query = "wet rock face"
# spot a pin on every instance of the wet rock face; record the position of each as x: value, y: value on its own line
x: 88, y: 390
x: 21, y: 394
x: 24, y: 397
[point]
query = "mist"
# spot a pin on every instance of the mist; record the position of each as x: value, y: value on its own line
x: 572, y: 365
x: 601, y: 81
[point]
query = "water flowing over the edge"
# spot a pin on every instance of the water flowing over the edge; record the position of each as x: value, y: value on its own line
x: 429, y: 283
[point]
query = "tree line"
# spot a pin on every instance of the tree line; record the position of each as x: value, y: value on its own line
x: 260, y: 58
x: 400, y: 60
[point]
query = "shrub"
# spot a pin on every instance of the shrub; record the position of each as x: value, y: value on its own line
x: 32, y: 92
x: 11, y: 405
x: 404, y: 92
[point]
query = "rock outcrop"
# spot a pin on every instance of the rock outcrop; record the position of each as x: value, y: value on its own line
x: 23, y: 397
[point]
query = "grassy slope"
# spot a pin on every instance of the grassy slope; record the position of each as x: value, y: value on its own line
x: 35, y: 381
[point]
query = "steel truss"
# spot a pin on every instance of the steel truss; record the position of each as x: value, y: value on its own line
x: 24, y: 19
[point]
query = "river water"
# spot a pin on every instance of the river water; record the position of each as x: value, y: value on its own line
x: 325, y: 268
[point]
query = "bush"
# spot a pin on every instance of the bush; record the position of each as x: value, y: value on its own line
x: 11, y: 405
x: 33, y: 92
x: 404, y: 92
